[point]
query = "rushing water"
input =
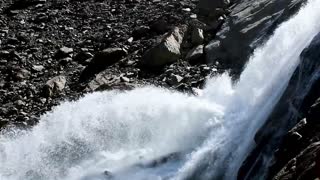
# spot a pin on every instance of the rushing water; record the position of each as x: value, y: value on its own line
x: 151, y: 133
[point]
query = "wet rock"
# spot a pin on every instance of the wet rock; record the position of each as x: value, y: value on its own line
x: 54, y: 85
x: 102, y: 60
x: 304, y: 166
x: 167, y: 51
x: 196, y: 55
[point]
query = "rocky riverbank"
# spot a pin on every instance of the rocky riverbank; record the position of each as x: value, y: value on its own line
x: 52, y: 51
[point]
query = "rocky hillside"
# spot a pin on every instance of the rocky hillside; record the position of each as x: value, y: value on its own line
x: 58, y: 49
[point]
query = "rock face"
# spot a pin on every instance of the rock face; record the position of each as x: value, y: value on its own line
x: 167, y: 51
x: 302, y: 148
x: 249, y: 23
x: 305, y: 166
x: 301, y: 93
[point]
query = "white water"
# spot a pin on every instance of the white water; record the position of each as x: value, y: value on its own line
x: 123, y: 132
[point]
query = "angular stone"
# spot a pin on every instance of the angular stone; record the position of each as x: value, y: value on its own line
x: 54, y: 85
x: 197, y: 37
x: 102, y: 60
x: 196, y: 54
x: 167, y: 51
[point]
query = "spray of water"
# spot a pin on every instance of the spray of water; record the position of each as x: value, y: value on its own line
x: 123, y: 135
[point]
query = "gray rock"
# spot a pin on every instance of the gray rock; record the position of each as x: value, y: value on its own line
x: 197, y: 37
x: 63, y: 52
x: 37, y: 68
x: 167, y: 51
x: 195, y: 55
x: 174, y: 80
x: 102, y: 60
x: 23, y: 74
x: 54, y: 85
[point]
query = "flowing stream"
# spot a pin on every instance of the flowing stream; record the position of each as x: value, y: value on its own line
x: 153, y: 134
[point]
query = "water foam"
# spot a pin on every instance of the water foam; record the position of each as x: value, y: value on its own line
x: 123, y: 132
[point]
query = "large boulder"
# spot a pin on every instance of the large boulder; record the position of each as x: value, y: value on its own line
x: 167, y: 51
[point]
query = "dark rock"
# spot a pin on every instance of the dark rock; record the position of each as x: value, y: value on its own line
x: 160, y: 26
x: 196, y: 55
x: 65, y: 61
x: 119, y: 86
x: 4, y: 53
x: 306, y: 165
x: 197, y: 37
x: 102, y: 60
x: 140, y: 31
x: 206, y: 6
x: 167, y: 51
x: 63, y: 52
x: 174, y: 80
x: 3, y: 123
x: 82, y: 57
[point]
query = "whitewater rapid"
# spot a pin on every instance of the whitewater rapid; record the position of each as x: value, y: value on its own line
x: 128, y: 135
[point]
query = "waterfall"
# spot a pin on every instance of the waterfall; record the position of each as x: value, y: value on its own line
x: 153, y: 133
